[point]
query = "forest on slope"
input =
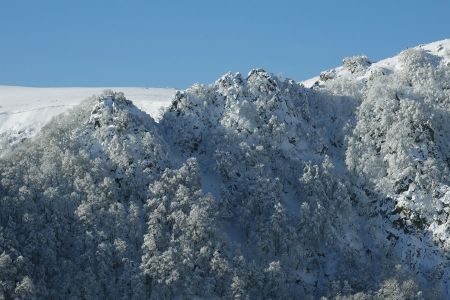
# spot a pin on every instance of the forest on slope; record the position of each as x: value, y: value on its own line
x: 248, y: 188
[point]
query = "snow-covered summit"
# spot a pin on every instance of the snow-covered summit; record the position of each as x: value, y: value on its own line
x: 24, y: 110
x: 361, y: 68
x: 111, y: 108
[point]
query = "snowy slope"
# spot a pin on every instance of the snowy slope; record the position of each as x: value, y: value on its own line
x: 389, y: 65
x: 25, y: 110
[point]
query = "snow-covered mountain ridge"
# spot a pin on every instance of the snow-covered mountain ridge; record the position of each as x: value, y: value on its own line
x: 252, y: 187
x: 24, y: 110
x: 440, y: 50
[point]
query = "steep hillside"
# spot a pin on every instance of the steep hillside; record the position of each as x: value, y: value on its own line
x: 252, y: 187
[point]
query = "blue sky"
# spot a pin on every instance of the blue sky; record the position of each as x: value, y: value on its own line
x: 177, y: 43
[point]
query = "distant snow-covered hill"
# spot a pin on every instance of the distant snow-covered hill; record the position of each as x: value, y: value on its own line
x: 24, y: 110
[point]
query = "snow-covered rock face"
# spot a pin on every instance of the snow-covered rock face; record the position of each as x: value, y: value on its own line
x: 252, y: 186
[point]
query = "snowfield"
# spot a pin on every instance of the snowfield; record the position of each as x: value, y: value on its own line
x: 253, y: 187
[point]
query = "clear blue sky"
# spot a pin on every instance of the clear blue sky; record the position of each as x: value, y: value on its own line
x: 177, y: 43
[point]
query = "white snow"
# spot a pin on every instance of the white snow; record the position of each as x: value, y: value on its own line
x: 388, y: 65
x: 27, y: 109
